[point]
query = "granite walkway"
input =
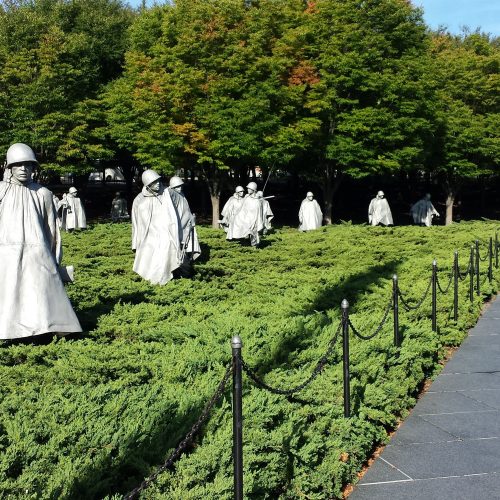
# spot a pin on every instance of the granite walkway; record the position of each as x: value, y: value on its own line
x: 449, y: 446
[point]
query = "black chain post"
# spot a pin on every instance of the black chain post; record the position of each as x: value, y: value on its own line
x: 471, y: 274
x: 456, y: 270
x: 345, y: 358
x: 395, y: 306
x: 434, y: 295
x: 236, y: 345
x: 490, y: 261
x: 478, y: 284
x: 496, y: 250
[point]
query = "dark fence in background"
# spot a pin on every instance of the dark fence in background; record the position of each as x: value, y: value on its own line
x: 237, y: 365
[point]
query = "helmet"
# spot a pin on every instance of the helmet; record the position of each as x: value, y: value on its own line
x: 239, y: 189
x: 175, y: 182
x: 380, y: 194
x: 149, y: 176
x: 252, y: 185
x: 19, y: 153
x: 309, y: 193
x: 72, y: 190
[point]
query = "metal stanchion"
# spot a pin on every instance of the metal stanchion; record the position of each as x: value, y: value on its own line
x: 456, y: 270
x: 434, y: 295
x: 471, y: 274
x: 345, y: 346
x: 478, y: 282
x: 395, y: 309
x: 490, y: 260
x: 236, y: 345
x: 496, y: 250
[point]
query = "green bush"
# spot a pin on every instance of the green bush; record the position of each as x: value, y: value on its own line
x: 92, y: 416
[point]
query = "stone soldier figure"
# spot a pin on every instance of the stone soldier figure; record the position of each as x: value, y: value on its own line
x: 248, y: 222
x: 267, y: 213
x: 73, y: 212
x: 310, y: 214
x: 32, y: 295
x: 231, y: 207
x: 189, y: 237
x: 119, y: 208
x: 423, y: 211
x: 155, y: 231
x: 379, y: 211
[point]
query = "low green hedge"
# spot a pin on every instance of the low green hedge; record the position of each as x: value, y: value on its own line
x: 92, y: 416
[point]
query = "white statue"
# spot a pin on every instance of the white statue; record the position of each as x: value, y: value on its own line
x: 423, y: 211
x: 310, y: 214
x: 231, y: 207
x: 248, y: 221
x: 155, y: 231
x: 189, y: 237
x: 32, y: 295
x: 379, y: 211
x: 73, y: 213
x: 267, y: 213
x: 119, y: 210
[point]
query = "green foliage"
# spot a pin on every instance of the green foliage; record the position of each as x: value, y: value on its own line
x: 92, y: 416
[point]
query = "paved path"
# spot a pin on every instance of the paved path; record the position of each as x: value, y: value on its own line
x: 449, y: 446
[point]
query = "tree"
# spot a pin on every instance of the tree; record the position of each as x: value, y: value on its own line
x: 370, y: 97
x: 467, y: 83
x: 55, y: 58
x: 209, y: 91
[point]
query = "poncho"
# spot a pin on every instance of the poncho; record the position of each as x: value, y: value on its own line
x: 423, y: 211
x: 187, y: 231
x: 230, y: 208
x: 119, y: 209
x: 248, y: 221
x: 267, y: 214
x: 155, y: 236
x: 379, y: 212
x: 32, y: 295
x: 74, y: 217
x: 310, y: 215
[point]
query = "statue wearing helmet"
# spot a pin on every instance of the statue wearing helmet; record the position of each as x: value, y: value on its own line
x: 248, y: 221
x: 231, y: 207
x: 310, y: 214
x: 379, y: 211
x: 72, y: 212
x: 32, y: 294
x: 189, y: 236
x: 155, y: 231
x: 423, y: 211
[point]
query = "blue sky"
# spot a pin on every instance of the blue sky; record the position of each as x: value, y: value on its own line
x: 456, y: 13
x: 450, y: 13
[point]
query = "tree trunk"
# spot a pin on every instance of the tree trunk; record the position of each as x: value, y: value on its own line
x: 215, y: 199
x: 214, y: 182
x: 450, y: 199
x: 331, y: 183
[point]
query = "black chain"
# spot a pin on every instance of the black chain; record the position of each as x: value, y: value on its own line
x: 461, y: 276
x: 379, y: 327
x: 485, y: 257
x: 187, y: 439
x: 409, y: 307
x: 317, y: 370
x: 449, y: 283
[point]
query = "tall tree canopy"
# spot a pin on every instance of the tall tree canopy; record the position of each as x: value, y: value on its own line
x: 466, y: 77
x: 54, y: 55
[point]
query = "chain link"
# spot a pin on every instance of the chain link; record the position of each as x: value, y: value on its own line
x: 449, y: 283
x: 461, y: 276
x: 409, y: 307
x: 379, y: 327
x: 485, y: 257
x: 187, y: 439
x: 317, y: 370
